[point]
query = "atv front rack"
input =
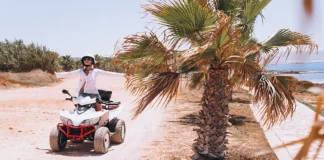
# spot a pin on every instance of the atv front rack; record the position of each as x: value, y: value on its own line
x: 76, y: 132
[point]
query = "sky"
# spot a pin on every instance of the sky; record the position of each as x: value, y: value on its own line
x: 78, y: 27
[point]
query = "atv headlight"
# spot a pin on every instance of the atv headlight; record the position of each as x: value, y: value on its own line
x: 66, y: 120
x: 90, y: 121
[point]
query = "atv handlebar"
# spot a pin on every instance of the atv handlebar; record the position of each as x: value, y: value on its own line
x: 98, y: 100
x: 69, y: 99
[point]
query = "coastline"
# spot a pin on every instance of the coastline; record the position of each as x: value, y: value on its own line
x: 313, y: 77
x: 310, y: 70
x: 295, y: 72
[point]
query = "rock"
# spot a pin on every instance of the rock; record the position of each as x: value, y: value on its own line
x: 10, y: 128
x: 19, y: 131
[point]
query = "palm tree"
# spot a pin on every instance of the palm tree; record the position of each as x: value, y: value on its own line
x: 212, y: 43
x: 67, y: 62
x: 99, y: 61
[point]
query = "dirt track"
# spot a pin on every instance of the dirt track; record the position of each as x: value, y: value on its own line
x: 27, y: 116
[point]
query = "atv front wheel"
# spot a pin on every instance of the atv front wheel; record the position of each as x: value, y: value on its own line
x: 102, y: 140
x: 57, y: 140
x: 119, y: 129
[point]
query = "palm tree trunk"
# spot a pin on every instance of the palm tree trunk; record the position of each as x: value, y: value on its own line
x: 231, y: 95
x: 214, y: 115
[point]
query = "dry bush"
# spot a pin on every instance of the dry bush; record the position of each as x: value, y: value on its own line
x: 28, y: 79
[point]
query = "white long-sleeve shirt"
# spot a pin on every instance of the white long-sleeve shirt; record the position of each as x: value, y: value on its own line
x: 90, y: 79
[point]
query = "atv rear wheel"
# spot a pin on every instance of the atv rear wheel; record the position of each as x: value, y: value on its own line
x: 119, y: 129
x: 57, y: 140
x: 102, y: 140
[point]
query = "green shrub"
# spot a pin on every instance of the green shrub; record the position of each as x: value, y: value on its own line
x: 67, y: 63
x: 18, y: 57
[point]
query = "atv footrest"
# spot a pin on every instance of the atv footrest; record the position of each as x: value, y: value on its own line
x: 76, y: 132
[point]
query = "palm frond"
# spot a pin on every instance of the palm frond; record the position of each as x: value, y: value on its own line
x: 230, y: 7
x: 197, y: 62
x: 243, y: 55
x: 147, y: 54
x: 250, y: 11
x: 201, y: 2
x: 196, y: 80
x: 272, y: 93
x: 250, y: 40
x: 225, y: 38
x: 274, y: 96
x: 289, y: 82
x: 253, y: 8
x: 243, y: 66
x: 188, y: 66
x: 157, y: 87
x: 287, y: 38
x: 183, y: 19
x: 253, y: 57
x: 219, y: 43
x: 141, y: 46
x: 134, y: 83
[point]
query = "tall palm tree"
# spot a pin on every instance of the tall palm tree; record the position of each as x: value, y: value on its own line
x: 67, y: 62
x: 212, y: 43
x: 99, y: 61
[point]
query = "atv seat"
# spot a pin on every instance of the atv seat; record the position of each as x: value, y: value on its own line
x: 105, y: 94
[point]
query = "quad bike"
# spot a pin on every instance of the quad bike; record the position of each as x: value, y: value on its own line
x: 85, y: 123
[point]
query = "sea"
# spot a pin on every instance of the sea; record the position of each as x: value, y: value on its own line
x: 313, y: 72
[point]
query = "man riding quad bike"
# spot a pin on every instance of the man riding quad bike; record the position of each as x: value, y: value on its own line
x: 94, y: 117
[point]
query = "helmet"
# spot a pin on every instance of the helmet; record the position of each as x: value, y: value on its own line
x: 88, y: 56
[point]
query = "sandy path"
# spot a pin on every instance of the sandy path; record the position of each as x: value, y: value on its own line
x: 294, y: 128
x: 27, y: 116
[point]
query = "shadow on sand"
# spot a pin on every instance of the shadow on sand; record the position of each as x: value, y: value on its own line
x: 84, y: 149
x: 192, y: 120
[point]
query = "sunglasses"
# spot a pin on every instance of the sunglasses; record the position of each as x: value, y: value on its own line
x: 87, y: 59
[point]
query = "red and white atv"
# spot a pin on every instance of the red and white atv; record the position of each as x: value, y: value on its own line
x: 85, y: 123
